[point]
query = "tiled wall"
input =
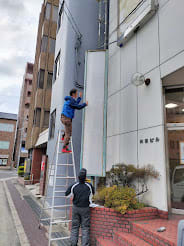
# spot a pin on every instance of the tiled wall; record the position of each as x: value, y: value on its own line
x: 136, y: 114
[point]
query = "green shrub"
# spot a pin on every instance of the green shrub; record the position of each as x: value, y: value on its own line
x: 121, y: 199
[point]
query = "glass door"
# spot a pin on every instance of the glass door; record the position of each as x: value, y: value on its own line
x: 174, y: 104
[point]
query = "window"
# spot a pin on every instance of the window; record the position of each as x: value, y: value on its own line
x: 37, y: 116
x: 4, y: 127
x: 60, y: 18
x: 46, y: 118
x: 25, y: 130
x: 52, y: 45
x: 41, y: 75
x: 30, y: 82
x: 57, y: 67
x: 52, y: 124
x: 29, y: 93
x: 3, y: 162
x: 49, y: 80
x: 55, y: 14
x: 44, y: 43
x: 47, y: 11
x: 23, y: 144
x: 27, y: 105
x: 4, y: 144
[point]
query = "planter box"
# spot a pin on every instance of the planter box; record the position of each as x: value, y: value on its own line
x: 104, y: 221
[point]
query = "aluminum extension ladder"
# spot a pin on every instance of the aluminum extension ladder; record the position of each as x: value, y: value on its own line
x: 58, y: 191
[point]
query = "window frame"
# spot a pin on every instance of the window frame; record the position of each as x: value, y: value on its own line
x: 49, y: 11
x: 46, y: 125
x: 54, y: 18
x: 60, y: 16
x: 8, y: 145
x: 52, y: 124
x: 49, y: 84
x: 52, y: 49
x: 36, y: 122
x: 45, y: 45
x: 7, y: 127
x: 57, y: 65
x: 38, y: 79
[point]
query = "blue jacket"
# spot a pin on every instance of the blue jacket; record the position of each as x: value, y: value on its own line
x: 70, y: 105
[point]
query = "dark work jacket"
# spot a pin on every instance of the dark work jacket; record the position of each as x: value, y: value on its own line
x: 82, y: 194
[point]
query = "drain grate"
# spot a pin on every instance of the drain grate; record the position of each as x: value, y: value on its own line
x: 37, y: 210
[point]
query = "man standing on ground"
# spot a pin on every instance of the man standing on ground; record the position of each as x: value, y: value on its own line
x: 82, y: 194
x: 71, y: 103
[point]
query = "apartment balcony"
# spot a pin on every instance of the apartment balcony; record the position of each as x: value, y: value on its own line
x: 29, y: 76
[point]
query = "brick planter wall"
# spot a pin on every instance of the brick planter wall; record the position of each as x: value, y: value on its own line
x: 104, y: 221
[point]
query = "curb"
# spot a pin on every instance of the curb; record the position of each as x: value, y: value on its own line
x: 18, y: 225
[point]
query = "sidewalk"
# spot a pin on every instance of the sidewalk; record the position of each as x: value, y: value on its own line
x: 22, y: 200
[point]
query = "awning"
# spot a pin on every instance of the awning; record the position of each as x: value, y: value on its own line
x: 43, y: 138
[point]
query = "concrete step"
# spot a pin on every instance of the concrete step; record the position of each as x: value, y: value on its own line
x: 104, y: 242
x: 128, y: 239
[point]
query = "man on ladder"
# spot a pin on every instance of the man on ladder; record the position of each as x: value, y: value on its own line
x: 82, y: 194
x: 71, y: 103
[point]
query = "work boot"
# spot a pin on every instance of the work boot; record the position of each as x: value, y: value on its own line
x: 66, y: 150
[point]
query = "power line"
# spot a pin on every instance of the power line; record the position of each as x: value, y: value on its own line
x: 71, y: 19
x: 71, y: 23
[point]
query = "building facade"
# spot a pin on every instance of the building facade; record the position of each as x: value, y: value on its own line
x: 7, y: 138
x: 42, y: 84
x: 23, y: 115
x: 145, y: 123
x: 76, y: 33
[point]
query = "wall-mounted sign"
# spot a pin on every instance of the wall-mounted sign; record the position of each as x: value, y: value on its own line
x: 133, y: 14
x: 126, y: 7
x: 149, y: 140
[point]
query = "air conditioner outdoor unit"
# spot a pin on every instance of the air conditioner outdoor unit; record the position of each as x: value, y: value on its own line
x: 139, y: 21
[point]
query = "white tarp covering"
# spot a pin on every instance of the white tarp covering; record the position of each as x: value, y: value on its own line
x: 93, y: 120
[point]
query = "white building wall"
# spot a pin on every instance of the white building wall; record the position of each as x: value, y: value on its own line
x: 137, y: 113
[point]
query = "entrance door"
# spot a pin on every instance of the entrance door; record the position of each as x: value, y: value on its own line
x: 174, y: 104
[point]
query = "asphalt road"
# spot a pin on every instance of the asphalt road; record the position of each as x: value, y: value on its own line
x: 5, y: 174
x: 8, y: 233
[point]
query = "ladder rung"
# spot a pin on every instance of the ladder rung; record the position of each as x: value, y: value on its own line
x: 61, y: 221
x: 60, y: 186
x: 57, y: 191
x: 57, y: 197
x: 59, y: 238
x: 59, y: 206
x: 53, y: 219
x: 60, y: 177
x: 65, y: 165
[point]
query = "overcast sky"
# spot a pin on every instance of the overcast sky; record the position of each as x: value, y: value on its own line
x: 18, y: 31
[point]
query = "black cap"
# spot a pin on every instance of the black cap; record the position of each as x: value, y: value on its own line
x: 82, y: 175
